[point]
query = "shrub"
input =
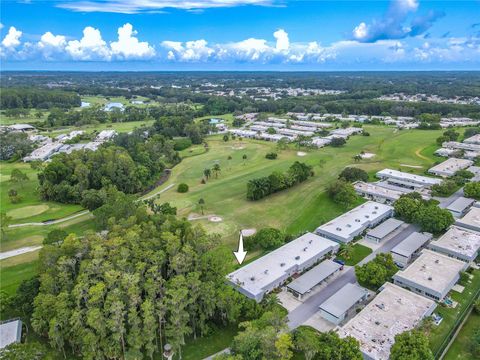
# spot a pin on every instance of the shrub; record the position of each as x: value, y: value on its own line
x: 271, y: 156
x: 352, y: 174
x: 182, y: 188
x: 182, y: 144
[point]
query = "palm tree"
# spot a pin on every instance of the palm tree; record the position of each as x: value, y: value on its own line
x: 216, y: 169
x: 201, y: 202
x: 346, y: 251
x: 207, y: 173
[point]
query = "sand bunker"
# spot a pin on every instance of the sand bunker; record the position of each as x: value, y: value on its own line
x: 215, y: 219
x: 412, y: 166
x: 367, y: 155
x: 248, y: 232
x: 301, y: 153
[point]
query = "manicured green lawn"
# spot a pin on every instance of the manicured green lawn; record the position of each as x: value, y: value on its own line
x: 359, y: 253
x: 451, y: 315
x: 31, y: 208
x: 11, y: 277
x: 301, y: 208
x: 30, y: 118
x: 459, y: 349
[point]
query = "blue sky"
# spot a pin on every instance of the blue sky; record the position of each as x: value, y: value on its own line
x: 239, y: 35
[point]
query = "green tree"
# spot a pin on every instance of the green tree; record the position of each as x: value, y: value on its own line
x: 306, y: 341
x: 207, y: 173
x: 411, y: 345
x: 18, y: 177
x: 342, y: 193
x: 216, y: 169
x: 352, y: 174
x: 268, y: 238
x: 376, y: 272
x: 338, y: 141
x: 283, y: 346
x: 182, y: 188
x: 472, y: 190
x: 22, y: 351
x: 201, y: 202
x: 474, y: 343
x: 56, y: 236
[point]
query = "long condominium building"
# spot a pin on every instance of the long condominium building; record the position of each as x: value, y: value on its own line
x: 272, y: 270
x: 407, y: 180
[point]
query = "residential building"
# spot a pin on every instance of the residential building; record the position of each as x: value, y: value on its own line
x: 353, y: 223
x: 10, y: 332
x: 313, y: 277
x: 407, y: 180
x: 458, y: 243
x: 475, y: 139
x: 21, y: 128
x: 410, y: 246
x: 393, y: 311
x: 376, y: 192
x: 386, y: 228
x: 450, y: 166
x: 471, y: 220
x: 261, y: 276
x: 460, y: 206
x: 461, y: 146
x: 336, y: 308
x: 432, y: 275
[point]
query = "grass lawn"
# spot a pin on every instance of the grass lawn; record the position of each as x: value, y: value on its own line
x: 459, y: 349
x: 31, y: 208
x: 450, y: 315
x: 30, y: 118
x: 359, y: 253
x: 303, y: 207
x: 12, y: 276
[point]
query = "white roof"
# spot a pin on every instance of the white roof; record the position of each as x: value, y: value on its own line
x: 475, y: 139
x: 460, y: 204
x: 450, y: 166
x: 460, y: 241
x: 257, y: 275
x: 432, y: 270
x: 314, y: 276
x: 385, y: 228
x: 411, y: 244
x: 400, y: 175
x: 470, y: 219
x: 21, y: 127
x: 393, y: 311
x: 377, y: 190
x: 340, y: 302
x: 358, y: 218
x: 10, y: 332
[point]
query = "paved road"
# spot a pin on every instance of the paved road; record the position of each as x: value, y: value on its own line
x: 24, y: 250
x: 303, y: 312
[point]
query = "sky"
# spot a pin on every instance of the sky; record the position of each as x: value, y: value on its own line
x: 315, y: 35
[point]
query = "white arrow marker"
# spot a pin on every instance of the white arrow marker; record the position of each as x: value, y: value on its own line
x: 240, y: 254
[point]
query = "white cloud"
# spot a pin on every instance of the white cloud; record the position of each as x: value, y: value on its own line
x: 136, y: 6
x: 12, y: 39
x: 54, y: 41
x: 196, y: 50
x: 360, y: 32
x: 282, y: 40
x: 90, y: 47
x: 129, y: 47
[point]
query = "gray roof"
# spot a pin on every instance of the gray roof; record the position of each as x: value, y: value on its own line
x: 460, y: 204
x: 314, y: 276
x: 385, y: 228
x: 343, y: 299
x: 10, y: 332
x: 412, y: 243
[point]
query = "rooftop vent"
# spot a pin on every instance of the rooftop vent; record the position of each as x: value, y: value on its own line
x: 367, y: 216
x: 430, y: 278
x: 357, y: 220
x: 349, y: 226
x: 310, y: 242
x: 266, y: 271
x: 297, y: 257
x: 252, y: 278
x: 374, y: 212
x: 437, y: 261
x: 339, y: 229
x: 282, y: 264
x: 305, y: 248
x: 376, y: 207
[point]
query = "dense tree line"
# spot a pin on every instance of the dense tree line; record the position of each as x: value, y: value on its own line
x: 153, y: 278
x: 131, y: 164
x: 264, y: 186
x: 29, y: 98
